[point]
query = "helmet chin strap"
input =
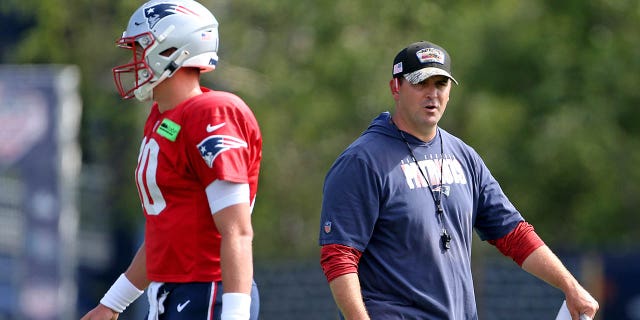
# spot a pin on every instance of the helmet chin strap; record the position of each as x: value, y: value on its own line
x: 145, y: 93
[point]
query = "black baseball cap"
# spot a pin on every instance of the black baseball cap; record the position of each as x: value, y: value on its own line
x: 421, y: 60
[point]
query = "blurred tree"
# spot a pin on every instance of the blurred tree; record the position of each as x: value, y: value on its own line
x: 547, y: 96
x: 557, y: 78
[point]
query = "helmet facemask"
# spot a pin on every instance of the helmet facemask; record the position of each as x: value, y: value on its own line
x: 133, y: 76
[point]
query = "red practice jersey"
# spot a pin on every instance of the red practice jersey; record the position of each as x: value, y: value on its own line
x: 213, y: 136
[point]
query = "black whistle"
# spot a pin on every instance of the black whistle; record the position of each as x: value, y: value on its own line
x: 445, y: 238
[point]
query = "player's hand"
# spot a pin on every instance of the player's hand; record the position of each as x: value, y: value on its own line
x: 580, y: 302
x: 101, y: 312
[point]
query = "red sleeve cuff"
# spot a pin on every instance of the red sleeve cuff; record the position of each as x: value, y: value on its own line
x: 519, y: 243
x: 337, y: 260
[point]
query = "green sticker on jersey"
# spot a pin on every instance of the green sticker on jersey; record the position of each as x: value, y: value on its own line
x: 169, y: 129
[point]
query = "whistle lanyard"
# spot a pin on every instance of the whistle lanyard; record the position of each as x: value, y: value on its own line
x: 445, y: 238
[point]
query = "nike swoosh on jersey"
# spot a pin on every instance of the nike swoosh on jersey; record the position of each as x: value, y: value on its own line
x: 211, y: 128
x: 181, y: 306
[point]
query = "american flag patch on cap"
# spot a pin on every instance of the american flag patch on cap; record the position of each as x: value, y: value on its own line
x: 397, y: 68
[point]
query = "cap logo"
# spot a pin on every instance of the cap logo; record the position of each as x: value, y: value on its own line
x: 430, y: 55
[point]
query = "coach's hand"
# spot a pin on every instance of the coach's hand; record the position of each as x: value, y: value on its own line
x: 101, y: 312
x: 580, y: 302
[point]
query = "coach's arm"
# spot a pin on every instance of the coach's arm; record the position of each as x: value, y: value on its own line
x: 346, y: 292
x: 340, y: 266
x: 544, y: 264
x: 526, y: 248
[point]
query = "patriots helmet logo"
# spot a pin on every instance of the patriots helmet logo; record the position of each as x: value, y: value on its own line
x: 212, y: 146
x: 157, y: 12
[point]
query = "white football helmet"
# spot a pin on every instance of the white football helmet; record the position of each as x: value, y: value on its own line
x: 163, y: 36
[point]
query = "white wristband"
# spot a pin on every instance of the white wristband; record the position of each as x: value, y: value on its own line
x: 235, y: 306
x: 121, y: 294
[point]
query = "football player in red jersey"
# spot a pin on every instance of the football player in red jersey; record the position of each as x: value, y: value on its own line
x: 197, y: 173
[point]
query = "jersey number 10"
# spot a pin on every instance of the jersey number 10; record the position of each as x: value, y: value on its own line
x: 150, y: 193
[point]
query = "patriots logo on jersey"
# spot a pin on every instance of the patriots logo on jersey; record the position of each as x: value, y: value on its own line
x: 212, y: 146
x: 157, y: 12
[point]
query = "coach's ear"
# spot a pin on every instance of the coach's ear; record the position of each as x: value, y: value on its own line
x: 394, y: 85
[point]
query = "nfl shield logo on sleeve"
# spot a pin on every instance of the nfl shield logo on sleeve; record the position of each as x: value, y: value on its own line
x: 327, y: 227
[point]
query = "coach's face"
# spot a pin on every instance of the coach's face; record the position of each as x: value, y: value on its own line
x: 419, y: 107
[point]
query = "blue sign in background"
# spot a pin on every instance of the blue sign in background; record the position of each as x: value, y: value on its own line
x: 39, y: 166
